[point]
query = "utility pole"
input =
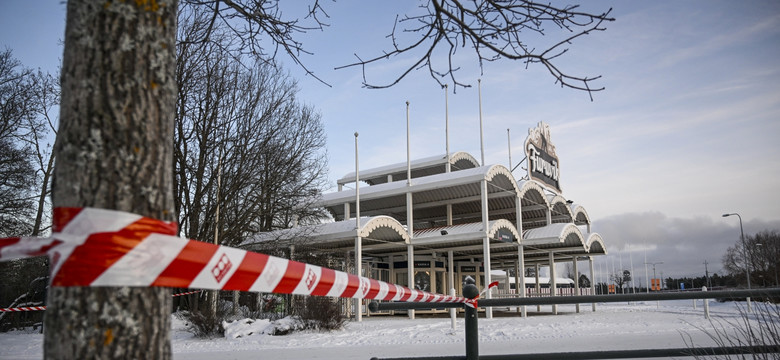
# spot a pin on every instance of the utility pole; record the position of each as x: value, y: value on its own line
x: 707, y: 275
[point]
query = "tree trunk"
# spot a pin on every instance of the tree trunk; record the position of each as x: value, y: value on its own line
x: 114, y: 151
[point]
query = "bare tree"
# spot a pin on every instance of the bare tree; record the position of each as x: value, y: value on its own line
x: 494, y: 30
x: 46, y: 95
x: 115, y: 149
x: 620, y: 279
x: 759, y: 252
x: 245, y: 123
x: 17, y: 171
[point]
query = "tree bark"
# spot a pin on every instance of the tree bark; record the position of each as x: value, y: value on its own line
x: 114, y: 151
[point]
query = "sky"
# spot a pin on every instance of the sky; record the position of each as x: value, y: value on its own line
x: 685, y: 131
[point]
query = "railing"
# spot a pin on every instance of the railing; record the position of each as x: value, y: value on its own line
x: 472, y: 335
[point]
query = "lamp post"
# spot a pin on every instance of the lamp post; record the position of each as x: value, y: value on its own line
x: 744, y: 253
x: 654, y: 264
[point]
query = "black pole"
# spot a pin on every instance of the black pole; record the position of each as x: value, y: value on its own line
x: 472, y: 329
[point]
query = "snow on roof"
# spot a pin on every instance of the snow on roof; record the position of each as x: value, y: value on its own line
x: 384, y: 227
x: 378, y: 175
x: 558, y: 233
x: 462, y: 177
x: 595, y: 244
x: 470, y: 231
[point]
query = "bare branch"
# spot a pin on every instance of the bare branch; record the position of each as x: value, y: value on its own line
x: 494, y: 30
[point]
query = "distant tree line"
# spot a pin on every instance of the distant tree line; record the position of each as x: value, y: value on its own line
x: 760, y: 253
x: 27, y: 126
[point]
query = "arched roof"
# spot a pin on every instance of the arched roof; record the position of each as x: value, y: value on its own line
x: 465, y: 240
x: 533, y: 204
x: 595, y: 244
x: 431, y: 194
x: 560, y: 209
x: 558, y: 235
x: 579, y: 215
x: 378, y: 232
x: 421, y: 167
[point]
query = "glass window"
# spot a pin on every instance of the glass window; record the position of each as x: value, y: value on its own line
x: 422, y: 280
x: 401, y: 278
x: 441, y: 283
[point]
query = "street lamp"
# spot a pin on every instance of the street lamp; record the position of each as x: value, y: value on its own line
x: 654, y: 264
x: 744, y: 253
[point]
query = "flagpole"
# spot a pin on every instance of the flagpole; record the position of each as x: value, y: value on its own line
x: 447, y: 128
x: 481, y: 137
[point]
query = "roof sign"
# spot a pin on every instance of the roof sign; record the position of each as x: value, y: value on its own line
x: 542, y: 160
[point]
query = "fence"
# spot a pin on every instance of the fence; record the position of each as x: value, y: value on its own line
x: 472, y: 336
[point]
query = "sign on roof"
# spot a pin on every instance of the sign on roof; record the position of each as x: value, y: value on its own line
x: 542, y: 160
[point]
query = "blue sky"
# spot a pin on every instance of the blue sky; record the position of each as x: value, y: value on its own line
x: 687, y: 128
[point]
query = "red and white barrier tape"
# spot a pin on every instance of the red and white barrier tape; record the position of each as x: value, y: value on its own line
x: 23, y: 308
x: 98, y: 247
x: 187, y: 293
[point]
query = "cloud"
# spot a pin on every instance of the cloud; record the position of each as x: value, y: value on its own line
x: 682, y: 244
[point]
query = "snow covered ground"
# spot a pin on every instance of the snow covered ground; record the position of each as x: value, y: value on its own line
x: 643, y: 325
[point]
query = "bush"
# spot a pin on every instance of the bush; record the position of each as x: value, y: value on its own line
x: 761, y: 329
x: 320, y: 313
x: 207, y: 324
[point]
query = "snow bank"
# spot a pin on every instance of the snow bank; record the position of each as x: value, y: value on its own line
x: 642, y: 325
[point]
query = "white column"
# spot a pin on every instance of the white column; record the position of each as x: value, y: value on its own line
x: 576, y: 282
x: 358, y: 239
x: 451, y: 282
x: 520, y: 251
x: 393, y: 279
x: 553, y: 285
x: 486, y: 245
x: 359, y: 272
x: 592, y: 281
x: 538, y: 287
x: 410, y: 248
x: 521, y: 276
x: 346, y: 212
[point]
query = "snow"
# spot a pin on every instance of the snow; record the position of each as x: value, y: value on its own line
x: 614, y: 326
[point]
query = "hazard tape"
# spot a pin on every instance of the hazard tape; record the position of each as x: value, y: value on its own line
x: 98, y: 247
x: 187, y: 293
x: 24, y: 308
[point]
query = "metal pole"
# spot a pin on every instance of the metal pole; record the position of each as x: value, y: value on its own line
x: 447, y: 128
x: 410, y: 247
x: 553, y: 284
x: 481, y: 138
x: 358, y: 240
x: 509, y: 147
x: 408, y: 156
x: 592, y: 282
x: 471, y: 327
x: 451, y: 282
x: 576, y: 282
x: 486, y: 244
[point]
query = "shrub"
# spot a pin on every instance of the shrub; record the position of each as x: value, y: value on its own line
x: 759, y: 329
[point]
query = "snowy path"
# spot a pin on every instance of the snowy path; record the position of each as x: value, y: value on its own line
x: 611, y: 327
